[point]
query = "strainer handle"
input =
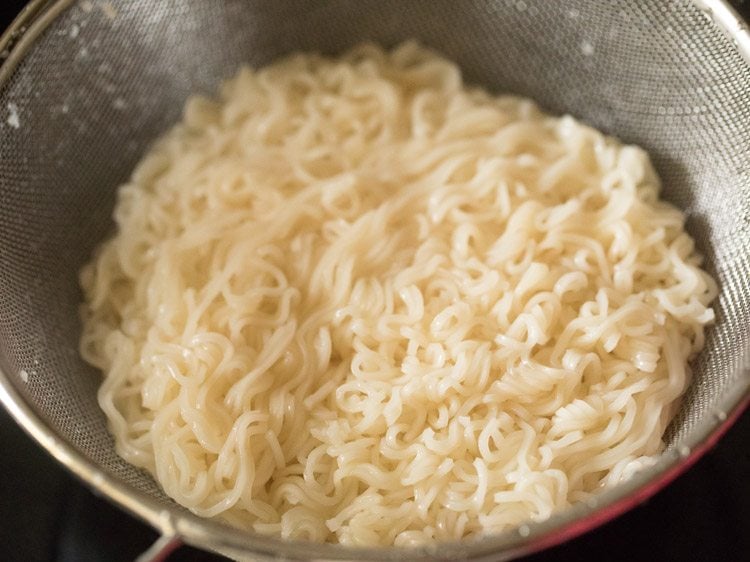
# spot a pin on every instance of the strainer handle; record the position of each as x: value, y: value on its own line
x: 161, y: 549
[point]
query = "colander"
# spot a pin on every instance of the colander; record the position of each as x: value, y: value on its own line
x: 86, y: 87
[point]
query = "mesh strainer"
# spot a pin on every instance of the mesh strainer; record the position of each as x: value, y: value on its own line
x: 85, y: 87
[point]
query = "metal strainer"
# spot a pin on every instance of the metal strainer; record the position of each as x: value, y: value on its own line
x: 86, y: 86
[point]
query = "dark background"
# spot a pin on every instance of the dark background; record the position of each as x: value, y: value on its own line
x: 46, y: 515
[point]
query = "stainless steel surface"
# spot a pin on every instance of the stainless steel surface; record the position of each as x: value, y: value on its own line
x: 89, y: 85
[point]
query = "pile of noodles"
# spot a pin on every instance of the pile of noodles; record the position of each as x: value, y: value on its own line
x: 357, y: 301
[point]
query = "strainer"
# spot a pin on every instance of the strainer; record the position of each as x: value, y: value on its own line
x: 86, y: 86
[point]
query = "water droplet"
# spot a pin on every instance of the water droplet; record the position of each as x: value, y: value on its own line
x: 721, y: 416
x: 684, y: 451
x: 592, y: 502
x: 524, y: 530
x: 13, y: 116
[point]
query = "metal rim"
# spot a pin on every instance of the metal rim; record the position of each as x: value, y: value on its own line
x: 209, y: 534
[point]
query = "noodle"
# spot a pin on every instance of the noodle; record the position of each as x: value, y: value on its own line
x: 357, y: 301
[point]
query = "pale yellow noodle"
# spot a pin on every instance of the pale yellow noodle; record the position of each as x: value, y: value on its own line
x: 356, y: 301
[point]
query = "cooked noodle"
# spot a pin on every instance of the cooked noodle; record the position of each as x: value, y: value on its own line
x: 357, y: 301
